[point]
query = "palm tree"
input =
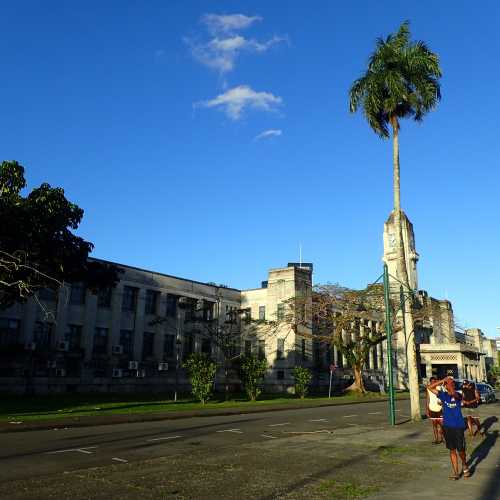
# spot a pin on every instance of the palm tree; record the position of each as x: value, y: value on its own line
x: 401, y: 81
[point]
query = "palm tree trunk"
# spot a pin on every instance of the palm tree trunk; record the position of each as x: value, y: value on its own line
x: 402, y: 272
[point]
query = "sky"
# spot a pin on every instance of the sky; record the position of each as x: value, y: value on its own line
x: 209, y: 140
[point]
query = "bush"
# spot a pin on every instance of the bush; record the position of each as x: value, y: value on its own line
x: 303, y: 378
x: 201, y: 370
x: 253, y: 370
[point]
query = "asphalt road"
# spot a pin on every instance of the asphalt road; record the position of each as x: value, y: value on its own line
x: 36, y: 453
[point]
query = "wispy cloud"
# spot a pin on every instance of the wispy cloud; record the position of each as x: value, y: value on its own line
x: 221, y: 51
x: 228, y: 23
x: 234, y: 101
x: 268, y: 133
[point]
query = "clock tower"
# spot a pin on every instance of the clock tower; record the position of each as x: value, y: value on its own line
x: 390, y: 253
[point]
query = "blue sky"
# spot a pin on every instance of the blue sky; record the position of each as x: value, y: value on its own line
x: 148, y: 115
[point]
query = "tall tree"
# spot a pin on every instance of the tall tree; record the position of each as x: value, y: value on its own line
x: 37, y: 246
x: 401, y: 81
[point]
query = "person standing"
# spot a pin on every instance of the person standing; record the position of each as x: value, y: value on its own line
x: 434, y: 413
x: 453, y: 424
x: 470, y: 402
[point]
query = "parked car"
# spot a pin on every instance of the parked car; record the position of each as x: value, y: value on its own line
x: 486, y: 392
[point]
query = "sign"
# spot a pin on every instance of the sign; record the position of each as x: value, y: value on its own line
x: 332, y: 368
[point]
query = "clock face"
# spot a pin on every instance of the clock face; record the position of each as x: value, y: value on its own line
x: 392, y: 240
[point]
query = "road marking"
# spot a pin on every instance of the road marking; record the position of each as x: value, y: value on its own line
x: 119, y: 460
x: 81, y: 450
x: 349, y: 416
x: 237, y: 431
x: 268, y: 436
x: 354, y: 425
x: 276, y: 425
x: 374, y: 413
x: 310, y: 432
x: 319, y: 420
x: 164, y: 438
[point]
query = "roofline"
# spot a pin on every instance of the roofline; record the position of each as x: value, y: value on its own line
x: 163, y: 274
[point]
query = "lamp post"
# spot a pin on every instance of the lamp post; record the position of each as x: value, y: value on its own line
x: 388, y: 323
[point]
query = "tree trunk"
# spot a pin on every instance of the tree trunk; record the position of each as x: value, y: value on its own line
x: 402, y: 272
x: 358, y: 385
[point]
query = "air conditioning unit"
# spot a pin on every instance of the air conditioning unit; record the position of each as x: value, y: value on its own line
x: 117, y: 349
x: 30, y: 346
x: 60, y: 372
x: 162, y: 367
x: 133, y: 365
x: 63, y: 345
x: 117, y: 372
x: 141, y: 373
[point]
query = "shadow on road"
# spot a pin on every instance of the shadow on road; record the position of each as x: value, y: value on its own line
x: 481, y: 451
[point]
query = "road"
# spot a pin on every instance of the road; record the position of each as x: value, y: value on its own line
x: 37, y: 453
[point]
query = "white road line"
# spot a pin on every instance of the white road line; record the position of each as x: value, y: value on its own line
x: 81, y: 450
x: 277, y: 425
x: 119, y: 460
x: 268, y: 436
x: 349, y: 416
x: 237, y: 431
x: 164, y: 438
x: 354, y: 425
x: 374, y: 413
x: 319, y: 420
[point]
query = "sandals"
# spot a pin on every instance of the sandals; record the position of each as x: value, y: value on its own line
x: 454, y: 477
x: 466, y: 472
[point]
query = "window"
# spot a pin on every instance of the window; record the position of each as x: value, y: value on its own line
x: 168, y: 346
x: 280, y: 312
x: 208, y: 311
x: 148, y: 343
x: 374, y: 357
x: 104, y: 298
x: 262, y: 312
x: 47, y: 294
x: 188, y: 345
x: 151, y: 301
x: 77, y: 294
x: 129, y: 298
x: 316, y: 353
x: 303, y: 349
x: 280, y: 349
x: 171, y: 305
x: 9, y: 331
x: 127, y: 341
x: 206, y: 346
x: 280, y: 374
x: 423, y: 370
x: 262, y: 349
x: 100, y: 341
x: 73, y: 335
x: 42, y: 334
x: 247, y: 315
x: 248, y: 347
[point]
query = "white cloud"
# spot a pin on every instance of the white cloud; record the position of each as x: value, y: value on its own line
x: 228, y: 23
x: 268, y: 133
x: 234, y: 101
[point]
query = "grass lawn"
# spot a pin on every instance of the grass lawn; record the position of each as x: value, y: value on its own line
x: 30, y: 408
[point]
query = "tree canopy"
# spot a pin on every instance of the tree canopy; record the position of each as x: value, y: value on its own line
x: 37, y: 246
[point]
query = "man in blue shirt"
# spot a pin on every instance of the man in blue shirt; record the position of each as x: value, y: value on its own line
x: 453, y: 424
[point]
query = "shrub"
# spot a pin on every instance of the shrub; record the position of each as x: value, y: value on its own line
x: 303, y: 378
x: 253, y: 370
x: 201, y: 370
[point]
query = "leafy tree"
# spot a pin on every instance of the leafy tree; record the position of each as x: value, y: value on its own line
x: 37, y: 246
x: 303, y: 377
x: 201, y: 370
x: 253, y: 370
x: 401, y: 81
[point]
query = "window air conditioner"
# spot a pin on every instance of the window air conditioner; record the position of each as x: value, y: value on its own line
x: 162, y: 367
x: 60, y: 372
x: 117, y: 349
x: 133, y: 365
x: 141, y: 373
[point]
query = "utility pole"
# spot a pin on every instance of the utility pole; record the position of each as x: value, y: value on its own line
x: 388, y: 327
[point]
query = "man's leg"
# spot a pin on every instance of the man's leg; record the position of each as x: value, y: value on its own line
x: 435, y: 430
x: 454, y: 464
x: 469, y: 425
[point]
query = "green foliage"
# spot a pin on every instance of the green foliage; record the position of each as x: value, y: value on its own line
x: 201, y: 370
x: 253, y: 370
x: 401, y: 81
x: 303, y: 377
x: 37, y: 246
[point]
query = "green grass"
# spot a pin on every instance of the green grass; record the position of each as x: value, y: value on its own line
x: 32, y: 408
x: 347, y: 490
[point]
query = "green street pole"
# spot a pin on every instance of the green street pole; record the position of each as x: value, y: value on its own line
x: 403, y: 313
x: 388, y: 322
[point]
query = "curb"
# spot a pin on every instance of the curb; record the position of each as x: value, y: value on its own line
x: 92, y: 421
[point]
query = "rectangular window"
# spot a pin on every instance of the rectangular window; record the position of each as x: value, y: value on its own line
x: 127, y: 341
x: 100, y: 341
x: 73, y: 335
x: 42, y: 334
x: 129, y: 300
x: 188, y: 346
x: 248, y: 315
x: 77, y: 294
x: 104, y: 298
x: 262, y: 349
x: 148, y: 344
x: 280, y: 349
x: 316, y: 353
x: 303, y: 349
x: 169, y: 346
x: 374, y: 358
x: 208, y: 311
x: 206, y: 346
x: 9, y: 331
x: 248, y: 347
x: 423, y: 370
x: 280, y: 374
x: 151, y: 301
x: 262, y: 313
x: 171, y: 305
x: 280, y: 312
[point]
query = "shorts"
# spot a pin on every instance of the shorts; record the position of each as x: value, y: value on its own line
x: 454, y: 438
x: 468, y: 411
x: 435, y: 415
